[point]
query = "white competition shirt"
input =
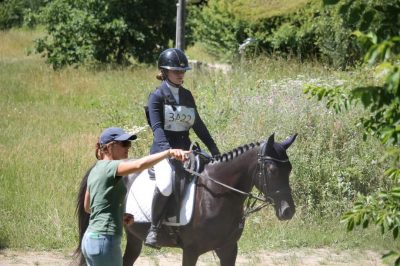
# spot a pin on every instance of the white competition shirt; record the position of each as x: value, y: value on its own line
x: 178, y: 117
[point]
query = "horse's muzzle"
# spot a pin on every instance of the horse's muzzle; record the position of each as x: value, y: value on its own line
x: 285, y: 211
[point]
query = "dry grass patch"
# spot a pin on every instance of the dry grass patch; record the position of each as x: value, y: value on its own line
x: 14, y: 44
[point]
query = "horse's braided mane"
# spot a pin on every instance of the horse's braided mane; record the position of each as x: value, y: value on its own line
x: 227, y: 156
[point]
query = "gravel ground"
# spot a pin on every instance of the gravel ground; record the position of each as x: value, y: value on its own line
x: 295, y: 257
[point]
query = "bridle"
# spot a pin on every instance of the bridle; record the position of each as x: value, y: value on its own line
x: 262, y: 161
x: 260, y: 172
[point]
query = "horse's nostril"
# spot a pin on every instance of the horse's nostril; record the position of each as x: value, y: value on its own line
x: 286, y: 212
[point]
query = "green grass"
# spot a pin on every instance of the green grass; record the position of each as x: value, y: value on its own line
x: 310, y: 233
x: 51, y: 121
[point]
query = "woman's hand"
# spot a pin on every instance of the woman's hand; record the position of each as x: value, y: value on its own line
x: 178, y: 154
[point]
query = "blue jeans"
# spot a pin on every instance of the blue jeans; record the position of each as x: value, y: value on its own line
x: 99, y: 249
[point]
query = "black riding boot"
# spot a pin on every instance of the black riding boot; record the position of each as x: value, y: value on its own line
x: 157, y: 213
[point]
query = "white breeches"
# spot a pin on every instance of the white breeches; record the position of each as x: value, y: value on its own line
x: 163, y: 172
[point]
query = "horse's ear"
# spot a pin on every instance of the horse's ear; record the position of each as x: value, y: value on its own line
x: 287, y: 142
x: 271, y: 140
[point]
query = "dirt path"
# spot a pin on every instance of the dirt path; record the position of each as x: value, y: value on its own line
x: 296, y: 257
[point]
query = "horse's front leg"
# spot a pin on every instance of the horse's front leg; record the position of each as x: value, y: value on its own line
x: 132, y: 249
x: 227, y: 254
x: 189, y: 257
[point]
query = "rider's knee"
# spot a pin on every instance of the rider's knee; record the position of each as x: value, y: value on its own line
x: 166, y: 191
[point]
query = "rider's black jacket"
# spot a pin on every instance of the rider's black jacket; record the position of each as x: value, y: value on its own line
x: 165, y: 139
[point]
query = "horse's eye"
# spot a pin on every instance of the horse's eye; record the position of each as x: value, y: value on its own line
x: 271, y: 168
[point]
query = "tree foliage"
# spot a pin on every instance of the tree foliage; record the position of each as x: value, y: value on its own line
x: 315, y: 30
x: 382, y: 120
x: 12, y: 12
x: 216, y: 25
x: 337, y: 22
x: 105, y: 31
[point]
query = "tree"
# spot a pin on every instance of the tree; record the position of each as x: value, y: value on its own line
x: 112, y: 31
x: 12, y: 12
x: 383, y: 121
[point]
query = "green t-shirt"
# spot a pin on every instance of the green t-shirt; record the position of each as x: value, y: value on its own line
x: 107, y: 194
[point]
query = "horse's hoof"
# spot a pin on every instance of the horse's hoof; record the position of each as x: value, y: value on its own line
x: 152, y: 245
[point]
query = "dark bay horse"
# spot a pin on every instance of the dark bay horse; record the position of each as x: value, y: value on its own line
x: 219, y: 212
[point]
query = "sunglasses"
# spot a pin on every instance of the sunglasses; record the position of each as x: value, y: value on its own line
x: 125, y: 144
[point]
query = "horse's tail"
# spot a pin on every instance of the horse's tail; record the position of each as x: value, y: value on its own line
x: 83, y: 216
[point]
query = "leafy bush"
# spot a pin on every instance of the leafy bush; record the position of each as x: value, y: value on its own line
x: 316, y: 29
x: 223, y: 28
x: 105, y: 31
x: 339, y: 21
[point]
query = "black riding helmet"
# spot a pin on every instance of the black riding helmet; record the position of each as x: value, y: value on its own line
x: 173, y: 59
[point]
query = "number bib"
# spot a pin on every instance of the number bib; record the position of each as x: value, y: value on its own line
x: 178, y: 118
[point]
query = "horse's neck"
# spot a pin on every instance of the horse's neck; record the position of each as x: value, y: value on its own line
x: 235, y: 171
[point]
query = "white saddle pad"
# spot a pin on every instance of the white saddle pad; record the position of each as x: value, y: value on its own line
x: 140, y: 196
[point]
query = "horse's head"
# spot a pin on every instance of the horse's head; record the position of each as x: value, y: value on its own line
x: 273, y: 176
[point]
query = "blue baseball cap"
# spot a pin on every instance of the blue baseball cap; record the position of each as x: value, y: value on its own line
x: 115, y: 134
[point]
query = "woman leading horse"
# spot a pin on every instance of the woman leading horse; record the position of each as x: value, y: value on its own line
x: 105, y: 193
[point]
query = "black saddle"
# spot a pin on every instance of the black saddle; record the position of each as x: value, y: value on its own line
x: 196, y: 162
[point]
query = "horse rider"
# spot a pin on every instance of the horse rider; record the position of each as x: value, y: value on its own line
x: 172, y: 112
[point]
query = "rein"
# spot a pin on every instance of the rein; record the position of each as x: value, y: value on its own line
x: 251, y: 199
x: 247, y: 194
